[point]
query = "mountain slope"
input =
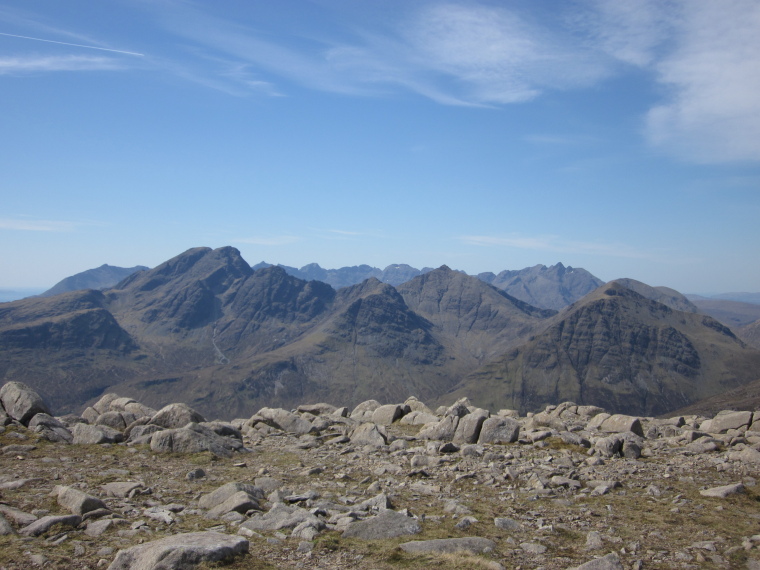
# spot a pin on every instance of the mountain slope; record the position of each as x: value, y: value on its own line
x: 618, y: 349
x: 664, y: 295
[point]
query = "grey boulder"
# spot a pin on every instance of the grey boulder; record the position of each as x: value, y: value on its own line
x: 388, y: 524
x: 180, y: 551
x: 21, y: 403
x: 470, y: 544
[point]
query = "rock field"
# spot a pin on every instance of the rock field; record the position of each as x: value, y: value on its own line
x: 124, y: 486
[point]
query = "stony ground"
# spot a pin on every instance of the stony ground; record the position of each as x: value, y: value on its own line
x: 544, y: 502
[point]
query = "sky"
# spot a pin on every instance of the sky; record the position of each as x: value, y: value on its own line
x: 621, y: 137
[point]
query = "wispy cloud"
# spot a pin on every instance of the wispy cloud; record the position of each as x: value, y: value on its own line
x: 556, y: 244
x: 33, y: 64
x: 712, y: 113
x: 31, y: 225
x: 269, y: 240
x: 345, y: 233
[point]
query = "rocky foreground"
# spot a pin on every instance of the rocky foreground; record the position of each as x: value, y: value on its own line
x: 380, y: 486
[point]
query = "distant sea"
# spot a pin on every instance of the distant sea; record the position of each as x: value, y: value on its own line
x: 20, y: 293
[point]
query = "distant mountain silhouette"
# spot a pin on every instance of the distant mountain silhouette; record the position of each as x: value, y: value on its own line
x: 552, y: 287
x: 102, y: 277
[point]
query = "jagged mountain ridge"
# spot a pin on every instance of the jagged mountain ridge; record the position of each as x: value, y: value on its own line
x: 551, y: 287
x: 618, y: 348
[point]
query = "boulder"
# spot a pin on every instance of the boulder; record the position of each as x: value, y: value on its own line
x: 388, y: 524
x: 104, y: 403
x: 727, y: 420
x: 317, y: 409
x: 44, y: 524
x: 112, y: 419
x: 21, y: 403
x: 363, y: 412
x: 416, y: 406
x: 386, y: 415
x: 87, y: 434
x: 369, y: 434
x: 470, y: 544
x: 443, y: 430
x: 121, y: 489
x: 221, y: 494
x: 285, y: 420
x: 724, y: 491
x: 50, y: 428
x: 241, y: 502
x: 280, y: 516
x: 499, y: 430
x: 418, y: 418
x: 620, y: 423
x: 77, y: 502
x: 468, y: 428
x: 194, y: 438
x: 176, y: 416
x: 180, y: 551
x: 460, y: 408
x: 609, y: 562
x: 5, y: 527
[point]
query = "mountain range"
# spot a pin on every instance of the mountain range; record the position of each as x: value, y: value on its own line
x: 210, y: 330
x: 550, y: 287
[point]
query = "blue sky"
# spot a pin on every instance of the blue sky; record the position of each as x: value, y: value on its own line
x: 622, y: 137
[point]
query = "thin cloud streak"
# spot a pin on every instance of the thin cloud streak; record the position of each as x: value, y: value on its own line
x: 268, y: 240
x: 32, y: 64
x: 555, y: 244
x: 25, y: 225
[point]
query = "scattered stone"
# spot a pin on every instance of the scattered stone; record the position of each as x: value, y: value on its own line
x: 41, y: 526
x: 724, y: 491
x: 609, y: 562
x: 76, y: 501
x: 472, y: 545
